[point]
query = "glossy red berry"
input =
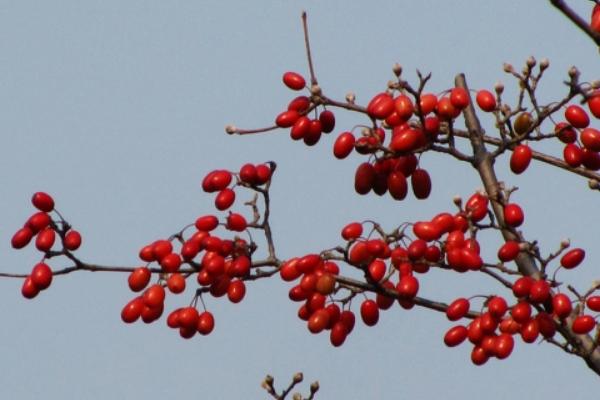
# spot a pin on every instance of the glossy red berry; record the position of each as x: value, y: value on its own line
x: 206, y: 323
x: 132, y: 310
x: 294, y: 80
x: 486, y: 100
x: 364, y: 178
x: 41, y: 276
x: 139, y: 279
x: 457, y: 309
x: 509, y: 251
x: 225, y: 199
x: 369, y: 312
x: 327, y: 119
x: 176, y: 283
x: 38, y: 221
x: 236, y: 222
x: 573, y: 155
x: 21, y: 238
x: 72, y: 240
x: 572, y: 258
x: 343, y: 146
x: 236, y: 291
x: 577, y: 116
x: 154, y: 296
x: 561, y: 305
x: 583, y: 324
x: 590, y: 138
x: 455, y: 336
x: 565, y: 132
x: 513, y: 215
x: 421, y: 183
x: 42, y: 201
x: 520, y: 158
x: 45, y: 239
x: 459, y: 98
x: 380, y: 106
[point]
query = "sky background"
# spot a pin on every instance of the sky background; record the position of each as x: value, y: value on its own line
x: 117, y: 109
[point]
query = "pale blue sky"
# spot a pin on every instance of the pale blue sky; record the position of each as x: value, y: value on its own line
x: 118, y: 108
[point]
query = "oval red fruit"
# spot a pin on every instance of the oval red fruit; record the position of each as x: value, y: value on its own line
x: 42, y: 201
x: 577, y: 116
x: 520, y: 158
x: 572, y: 258
x: 486, y: 100
x: 294, y: 80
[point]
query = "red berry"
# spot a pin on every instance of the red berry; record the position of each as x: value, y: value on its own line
x: 397, y: 185
x: 352, y: 231
x: 38, y: 221
x: 42, y: 201
x: 45, y: 240
x: 21, y: 238
x: 161, y: 248
x: 327, y: 119
x: 561, y: 305
x: 577, y: 116
x: 427, y: 102
x: 176, y: 283
x: 539, y: 291
x: 486, y: 100
x: 497, y: 307
x: 426, y: 230
x: 154, y: 296
x: 421, y: 183
x: 457, y: 309
x: 583, y: 324
x: 404, y: 107
x: 206, y: 323
x: 459, y: 98
x: 132, y: 310
x: 590, y: 138
x: 572, y: 258
x: 381, y: 106
x: 455, y: 336
x: 573, y: 155
x: 224, y: 199
x: 139, y: 278
x: 236, y: 291
x: 318, y: 321
x: 206, y: 223
x: 236, y: 222
x: 294, y: 80
x: 520, y: 158
x: 594, y: 101
x: 593, y: 303
x: 287, y: 119
x: 72, y: 240
x: 41, y: 276
x: 170, y: 263
x: 338, y: 334
x: 369, y: 312
x: 565, y: 133
x: 509, y: 251
x: 29, y: 290
x: 364, y: 178
x: 513, y: 215
x: 248, y: 174
x: 343, y: 145
x: 263, y: 174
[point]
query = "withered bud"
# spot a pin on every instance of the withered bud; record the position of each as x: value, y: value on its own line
x: 397, y: 68
x: 457, y: 200
x: 315, y: 90
x: 298, y: 377
x: 530, y: 62
x: 565, y: 243
x: 508, y: 68
x: 269, y: 380
x: 350, y: 97
x: 297, y: 396
x: 231, y: 129
x: 593, y: 184
x: 544, y: 63
x: 573, y: 72
x: 314, y: 387
x: 499, y: 87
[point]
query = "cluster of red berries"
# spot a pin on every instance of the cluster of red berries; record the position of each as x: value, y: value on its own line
x: 582, y: 142
x: 219, y: 264
x: 296, y: 116
x: 491, y: 333
x: 41, y: 226
x: 413, y: 128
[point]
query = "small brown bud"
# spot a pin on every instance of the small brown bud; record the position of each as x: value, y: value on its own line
x: 544, y: 63
x: 508, y: 68
x: 397, y: 68
x: 298, y: 377
x: 231, y: 129
x: 314, y: 387
x: 269, y: 380
x: 350, y: 98
x: 565, y: 243
x: 315, y: 90
x: 530, y: 62
x: 297, y: 396
x: 499, y: 87
x: 573, y: 72
x: 457, y: 200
